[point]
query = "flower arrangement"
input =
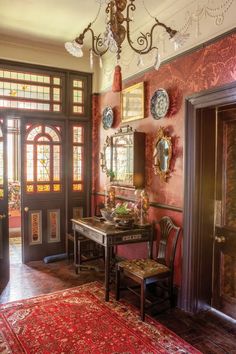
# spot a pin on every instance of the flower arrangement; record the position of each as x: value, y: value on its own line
x: 14, y: 195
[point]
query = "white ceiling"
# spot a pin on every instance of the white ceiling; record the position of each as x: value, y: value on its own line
x: 57, y: 21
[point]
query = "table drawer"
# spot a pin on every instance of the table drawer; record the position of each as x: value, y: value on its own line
x: 92, y: 235
x: 129, y: 238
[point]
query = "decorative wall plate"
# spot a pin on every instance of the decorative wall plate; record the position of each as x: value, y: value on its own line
x: 159, y: 103
x: 107, y: 117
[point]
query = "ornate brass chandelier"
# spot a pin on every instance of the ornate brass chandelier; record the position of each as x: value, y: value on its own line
x: 118, y: 24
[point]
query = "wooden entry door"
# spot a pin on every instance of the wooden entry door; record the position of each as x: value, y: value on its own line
x: 224, y: 277
x: 43, y: 188
x: 4, y: 233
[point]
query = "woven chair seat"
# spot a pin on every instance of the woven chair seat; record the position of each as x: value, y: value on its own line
x: 144, y: 268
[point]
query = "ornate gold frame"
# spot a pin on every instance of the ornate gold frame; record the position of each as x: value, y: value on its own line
x: 161, y: 137
x: 132, y: 103
x: 103, y: 160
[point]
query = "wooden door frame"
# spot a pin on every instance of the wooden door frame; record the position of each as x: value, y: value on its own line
x: 193, y: 242
x: 5, y: 263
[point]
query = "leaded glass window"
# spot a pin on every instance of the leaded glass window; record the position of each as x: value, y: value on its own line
x: 29, y: 91
x: 78, y: 158
x: 43, y: 159
x: 77, y: 97
x: 1, y: 163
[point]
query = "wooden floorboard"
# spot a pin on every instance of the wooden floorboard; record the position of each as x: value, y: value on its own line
x: 206, y: 331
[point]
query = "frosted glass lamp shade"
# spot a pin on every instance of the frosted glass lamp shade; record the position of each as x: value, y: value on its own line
x: 74, y: 48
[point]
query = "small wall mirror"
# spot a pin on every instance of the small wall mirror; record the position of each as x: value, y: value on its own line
x: 123, y: 158
x: 162, y: 154
x: 105, y: 157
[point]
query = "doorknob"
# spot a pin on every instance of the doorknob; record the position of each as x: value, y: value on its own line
x: 26, y: 209
x: 220, y: 239
x: 2, y: 216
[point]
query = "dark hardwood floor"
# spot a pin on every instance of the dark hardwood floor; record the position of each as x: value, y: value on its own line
x: 207, y: 331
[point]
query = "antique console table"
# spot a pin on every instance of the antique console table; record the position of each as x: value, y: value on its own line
x: 109, y: 235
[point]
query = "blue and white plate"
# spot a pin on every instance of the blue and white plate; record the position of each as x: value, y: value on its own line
x: 159, y: 103
x: 107, y: 117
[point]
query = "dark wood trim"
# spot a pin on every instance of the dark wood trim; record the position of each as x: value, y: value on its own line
x: 36, y: 67
x: 152, y: 204
x: 190, y: 300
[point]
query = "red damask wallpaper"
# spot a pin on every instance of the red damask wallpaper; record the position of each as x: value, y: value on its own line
x: 208, y: 67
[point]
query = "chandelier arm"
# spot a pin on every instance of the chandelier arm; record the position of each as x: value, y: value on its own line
x: 169, y: 30
x: 97, y: 41
x: 145, y: 40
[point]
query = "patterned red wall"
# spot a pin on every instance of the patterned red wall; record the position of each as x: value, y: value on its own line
x: 211, y: 66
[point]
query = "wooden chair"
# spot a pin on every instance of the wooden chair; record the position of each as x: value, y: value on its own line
x: 148, y: 271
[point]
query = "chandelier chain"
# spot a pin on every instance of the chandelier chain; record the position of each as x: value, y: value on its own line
x: 98, y: 13
x: 146, y: 9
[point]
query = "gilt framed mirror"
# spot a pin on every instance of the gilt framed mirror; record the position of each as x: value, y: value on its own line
x: 162, y: 154
x: 105, y: 156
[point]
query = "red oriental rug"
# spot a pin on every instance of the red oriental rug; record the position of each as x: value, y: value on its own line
x: 78, y: 320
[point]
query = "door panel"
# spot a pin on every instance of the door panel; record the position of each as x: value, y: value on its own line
x: 224, y: 290
x: 4, y: 237
x: 43, y: 188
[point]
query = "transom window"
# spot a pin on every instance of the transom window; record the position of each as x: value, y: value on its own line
x: 78, y: 97
x: 30, y: 91
x: 43, y: 159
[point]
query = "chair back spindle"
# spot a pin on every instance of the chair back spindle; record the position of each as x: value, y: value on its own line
x: 169, y: 234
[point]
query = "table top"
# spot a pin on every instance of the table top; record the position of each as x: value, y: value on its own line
x: 106, y: 228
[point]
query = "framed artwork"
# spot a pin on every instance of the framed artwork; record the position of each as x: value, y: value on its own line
x: 132, y: 103
x: 54, y: 225
x: 35, y: 227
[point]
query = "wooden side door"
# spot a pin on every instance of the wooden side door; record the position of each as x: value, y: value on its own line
x: 4, y: 236
x: 224, y: 272
x: 43, y: 188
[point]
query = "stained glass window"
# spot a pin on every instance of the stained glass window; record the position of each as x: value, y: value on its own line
x: 43, y: 163
x: 78, y: 159
x: 77, y: 134
x: 1, y: 163
x: 77, y: 153
x: 78, y: 97
x: 28, y: 91
x: 43, y: 159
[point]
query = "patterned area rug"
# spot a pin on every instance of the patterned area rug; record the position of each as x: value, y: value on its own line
x: 78, y: 320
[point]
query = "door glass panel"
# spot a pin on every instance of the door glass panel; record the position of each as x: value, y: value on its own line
x: 29, y: 162
x: 43, y: 163
x: 77, y: 135
x: 78, y: 151
x: 43, y: 138
x: 34, y: 132
x: 56, y: 163
x: 43, y: 159
x: 53, y: 134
